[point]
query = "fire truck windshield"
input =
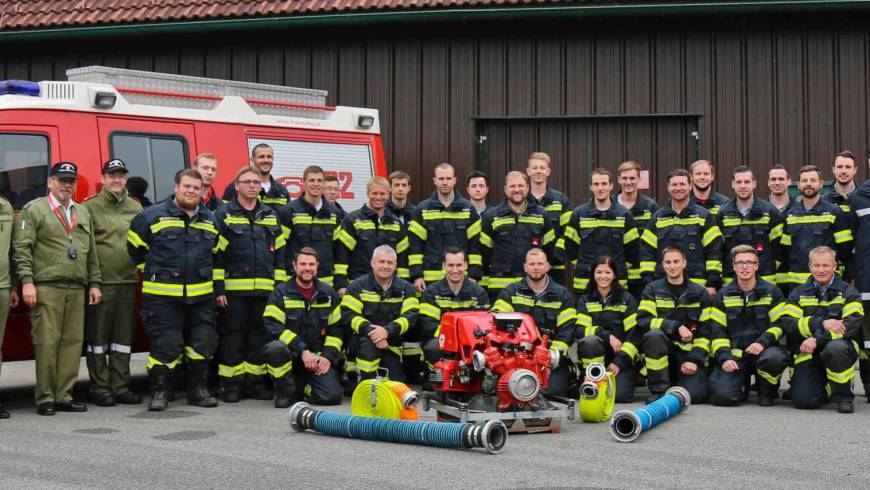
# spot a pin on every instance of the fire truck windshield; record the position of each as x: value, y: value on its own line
x: 23, y: 167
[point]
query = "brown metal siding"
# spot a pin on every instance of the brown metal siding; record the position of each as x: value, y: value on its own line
x: 789, y: 91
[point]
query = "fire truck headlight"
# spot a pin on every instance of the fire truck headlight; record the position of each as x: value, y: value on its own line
x: 524, y: 385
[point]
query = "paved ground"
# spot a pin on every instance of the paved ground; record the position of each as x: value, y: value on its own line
x: 250, y: 445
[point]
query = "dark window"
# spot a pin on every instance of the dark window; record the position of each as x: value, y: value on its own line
x: 155, y: 158
x: 23, y: 167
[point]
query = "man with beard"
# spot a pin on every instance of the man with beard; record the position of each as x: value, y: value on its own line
x: 703, y: 175
x: 641, y: 207
x: 598, y: 228
x: 206, y: 164
x: 55, y: 255
x: 688, y: 226
x: 303, y: 317
x: 173, y: 242
x: 508, y: 231
x: 551, y: 307
x: 674, y: 313
x: 778, y: 183
x: 748, y: 220
x: 845, y: 169
x: 110, y: 326
x: 272, y: 192
x: 249, y: 262
x: 810, y: 223
x: 311, y: 221
x: 380, y: 308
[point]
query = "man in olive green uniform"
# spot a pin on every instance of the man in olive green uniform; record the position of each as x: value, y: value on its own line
x: 55, y: 259
x: 8, y: 296
x: 111, y: 325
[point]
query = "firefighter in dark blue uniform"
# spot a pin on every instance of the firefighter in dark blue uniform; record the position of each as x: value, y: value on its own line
x: 845, y: 169
x: 690, y: 227
x: 272, y: 192
x: 597, y: 228
x: 477, y: 187
x: 745, y: 331
x: 641, y: 208
x: 810, y: 223
x: 823, y: 325
x: 249, y: 262
x: 778, y: 183
x: 860, y: 206
x: 206, y: 164
x: 555, y: 203
x: 303, y: 318
x: 674, y: 314
x: 703, y: 176
x: 173, y: 242
x: 551, y: 307
x: 381, y: 309
x: 400, y: 187
x: 748, y: 220
x: 607, y: 330
x: 511, y: 229
x: 311, y: 221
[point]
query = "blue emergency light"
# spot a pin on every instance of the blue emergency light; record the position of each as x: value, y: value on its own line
x: 19, y: 87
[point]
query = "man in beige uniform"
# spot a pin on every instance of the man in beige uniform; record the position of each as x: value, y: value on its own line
x: 8, y: 296
x: 56, y: 258
x: 111, y: 325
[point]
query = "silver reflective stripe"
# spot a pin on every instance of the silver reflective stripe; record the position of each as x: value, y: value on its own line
x: 867, y: 344
x: 865, y: 296
x: 125, y: 349
x: 862, y: 212
x: 411, y: 345
x: 97, y: 349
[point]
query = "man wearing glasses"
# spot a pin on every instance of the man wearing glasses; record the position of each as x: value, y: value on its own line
x: 249, y: 261
x: 745, y: 325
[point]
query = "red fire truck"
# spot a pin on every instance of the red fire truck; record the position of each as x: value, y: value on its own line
x: 157, y: 123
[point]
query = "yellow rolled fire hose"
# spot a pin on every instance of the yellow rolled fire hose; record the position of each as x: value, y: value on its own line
x: 384, y: 399
x: 597, y: 394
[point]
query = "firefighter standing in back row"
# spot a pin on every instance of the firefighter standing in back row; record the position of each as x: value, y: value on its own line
x: 311, y: 221
x: 249, y: 262
x: 551, y: 307
x: 811, y: 222
x: 8, y: 294
x: 508, y: 231
x: 110, y: 326
x: 303, y: 319
x: 173, y: 242
x: 555, y: 203
x: 56, y: 259
x: 272, y: 192
x: 860, y: 205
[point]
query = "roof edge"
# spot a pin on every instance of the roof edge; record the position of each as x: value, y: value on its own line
x: 430, y: 15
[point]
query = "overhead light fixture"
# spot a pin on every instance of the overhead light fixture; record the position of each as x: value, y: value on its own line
x: 102, y: 99
x: 365, y: 121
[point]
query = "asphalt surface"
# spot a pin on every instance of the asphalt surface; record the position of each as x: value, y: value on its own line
x: 250, y: 445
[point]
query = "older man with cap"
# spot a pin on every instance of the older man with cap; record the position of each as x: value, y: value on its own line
x: 55, y: 256
x: 111, y: 325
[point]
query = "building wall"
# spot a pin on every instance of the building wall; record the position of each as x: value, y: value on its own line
x: 757, y: 90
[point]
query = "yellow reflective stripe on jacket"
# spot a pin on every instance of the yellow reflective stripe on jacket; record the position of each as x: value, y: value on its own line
x: 584, y: 320
x: 629, y: 322
x: 502, y: 282
x: 718, y: 316
x: 843, y: 236
x: 502, y: 305
x: 804, y: 327
x: 199, y: 225
x: 287, y: 336
x: 648, y: 306
x: 565, y: 316
x: 630, y: 350
x: 334, y: 342
x: 809, y: 219
x: 430, y: 310
x: 249, y: 284
x: 273, y: 311
x: 177, y: 290
x: 853, y: 308
x: 411, y: 303
x: 710, y: 235
x: 166, y: 223
x: 720, y: 344
x: 136, y: 240
x: 352, y: 303
x: 559, y: 346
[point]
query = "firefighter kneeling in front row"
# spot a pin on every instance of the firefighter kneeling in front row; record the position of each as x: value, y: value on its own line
x: 550, y: 306
x: 745, y: 328
x: 607, y: 330
x: 303, y: 318
x: 823, y: 323
x: 674, y: 311
x: 381, y: 309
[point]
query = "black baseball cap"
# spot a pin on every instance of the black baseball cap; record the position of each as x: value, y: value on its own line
x: 115, y: 166
x: 63, y: 170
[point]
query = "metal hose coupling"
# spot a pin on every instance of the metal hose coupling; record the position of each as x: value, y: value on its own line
x: 595, y: 371
x: 589, y: 390
x: 628, y: 425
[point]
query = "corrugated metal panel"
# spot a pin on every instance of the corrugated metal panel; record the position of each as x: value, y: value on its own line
x: 786, y: 91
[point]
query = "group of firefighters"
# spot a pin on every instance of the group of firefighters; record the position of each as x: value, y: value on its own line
x: 297, y: 299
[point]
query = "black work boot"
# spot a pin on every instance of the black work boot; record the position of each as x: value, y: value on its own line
x: 231, y: 390
x: 255, y: 388
x: 285, y: 391
x: 158, y: 376
x: 352, y: 382
x: 197, y: 386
